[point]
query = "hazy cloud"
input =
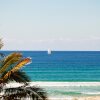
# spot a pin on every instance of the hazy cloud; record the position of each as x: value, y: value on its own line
x: 61, y: 43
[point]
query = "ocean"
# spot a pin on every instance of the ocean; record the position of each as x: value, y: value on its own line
x: 69, y: 67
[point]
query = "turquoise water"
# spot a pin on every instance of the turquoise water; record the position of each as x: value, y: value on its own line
x: 61, y: 91
x: 64, y: 66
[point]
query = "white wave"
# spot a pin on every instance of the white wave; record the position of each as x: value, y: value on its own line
x: 91, y: 93
x: 66, y: 83
x: 59, y: 84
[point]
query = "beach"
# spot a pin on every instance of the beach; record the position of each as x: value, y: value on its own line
x: 77, y: 98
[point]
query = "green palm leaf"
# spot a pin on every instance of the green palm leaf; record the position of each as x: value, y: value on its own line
x: 9, y: 60
x: 16, y: 68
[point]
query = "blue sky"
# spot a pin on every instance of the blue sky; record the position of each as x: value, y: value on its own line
x: 54, y: 24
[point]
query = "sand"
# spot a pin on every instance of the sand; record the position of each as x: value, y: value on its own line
x: 77, y: 98
x: 87, y: 98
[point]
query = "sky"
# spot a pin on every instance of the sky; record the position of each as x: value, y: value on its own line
x: 50, y: 24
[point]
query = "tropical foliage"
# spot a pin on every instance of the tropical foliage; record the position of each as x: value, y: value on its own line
x: 10, y: 71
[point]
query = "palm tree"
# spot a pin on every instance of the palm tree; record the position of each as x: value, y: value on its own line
x: 10, y: 71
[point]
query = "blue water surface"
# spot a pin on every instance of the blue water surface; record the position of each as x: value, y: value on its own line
x: 62, y: 65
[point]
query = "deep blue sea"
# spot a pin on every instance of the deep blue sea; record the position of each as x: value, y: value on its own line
x: 62, y: 65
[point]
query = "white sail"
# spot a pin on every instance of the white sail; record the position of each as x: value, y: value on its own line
x: 49, y: 51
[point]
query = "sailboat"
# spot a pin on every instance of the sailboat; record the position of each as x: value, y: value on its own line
x: 49, y: 51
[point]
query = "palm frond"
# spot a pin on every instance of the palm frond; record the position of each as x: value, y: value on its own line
x: 21, y: 64
x: 35, y: 93
x: 16, y: 96
x: 9, y: 60
x: 17, y: 67
x: 20, y: 77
